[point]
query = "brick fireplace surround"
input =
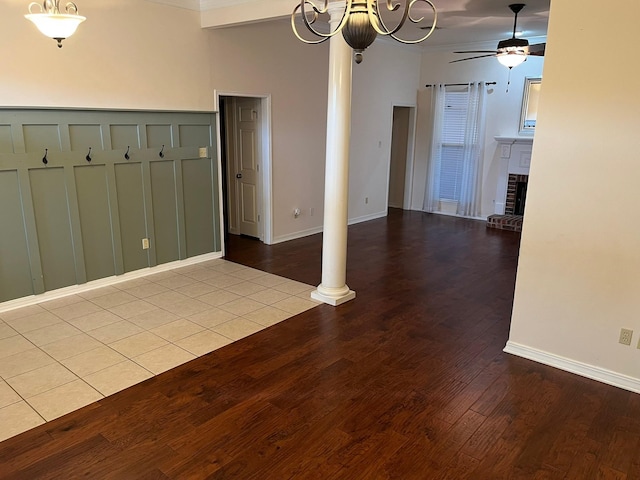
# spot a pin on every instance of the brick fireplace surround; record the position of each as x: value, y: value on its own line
x: 509, y: 221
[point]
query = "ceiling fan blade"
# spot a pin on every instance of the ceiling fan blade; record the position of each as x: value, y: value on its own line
x: 473, y: 58
x: 537, y: 49
x: 477, y: 51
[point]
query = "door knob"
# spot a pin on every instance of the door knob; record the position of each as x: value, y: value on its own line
x: 238, y: 175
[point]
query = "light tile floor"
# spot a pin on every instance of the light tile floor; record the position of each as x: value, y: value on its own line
x: 58, y: 356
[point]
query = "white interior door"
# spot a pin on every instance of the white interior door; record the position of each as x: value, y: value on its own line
x: 247, y: 166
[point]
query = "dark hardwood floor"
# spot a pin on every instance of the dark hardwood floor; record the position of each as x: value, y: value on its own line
x: 408, y: 381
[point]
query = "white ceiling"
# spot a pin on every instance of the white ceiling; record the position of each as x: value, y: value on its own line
x: 460, y: 22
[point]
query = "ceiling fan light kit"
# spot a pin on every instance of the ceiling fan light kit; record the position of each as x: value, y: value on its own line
x: 512, y: 51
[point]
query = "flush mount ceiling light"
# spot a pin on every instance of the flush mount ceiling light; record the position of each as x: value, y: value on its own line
x: 361, y: 21
x: 52, y: 23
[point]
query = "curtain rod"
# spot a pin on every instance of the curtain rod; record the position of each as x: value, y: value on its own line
x: 460, y: 84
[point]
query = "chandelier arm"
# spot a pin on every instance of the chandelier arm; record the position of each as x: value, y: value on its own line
x: 71, y: 7
x: 431, y: 30
x: 377, y: 21
x: 51, y: 6
x: 309, y: 23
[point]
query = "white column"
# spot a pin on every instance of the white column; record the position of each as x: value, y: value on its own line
x: 333, y: 289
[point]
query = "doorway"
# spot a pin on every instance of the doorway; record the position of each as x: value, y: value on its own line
x: 242, y: 165
x: 400, y: 164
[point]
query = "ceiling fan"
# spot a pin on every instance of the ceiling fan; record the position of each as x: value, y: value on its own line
x: 512, y: 51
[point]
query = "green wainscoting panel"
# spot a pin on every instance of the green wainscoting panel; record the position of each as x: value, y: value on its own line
x: 6, y: 141
x: 165, y: 211
x: 15, y: 274
x: 77, y: 220
x: 131, y: 207
x: 51, y: 210
x: 123, y: 136
x: 37, y: 138
x: 159, y: 135
x: 83, y: 137
x: 198, y: 206
x: 95, y: 221
x: 195, y: 135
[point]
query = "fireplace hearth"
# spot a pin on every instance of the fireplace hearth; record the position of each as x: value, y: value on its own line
x: 514, y: 205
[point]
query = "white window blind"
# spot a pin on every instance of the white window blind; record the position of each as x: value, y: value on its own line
x: 454, y: 125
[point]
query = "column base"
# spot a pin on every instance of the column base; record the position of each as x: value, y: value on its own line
x: 333, y: 296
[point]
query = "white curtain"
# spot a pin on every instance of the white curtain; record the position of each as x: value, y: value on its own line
x: 469, y: 201
x: 432, y: 192
x: 471, y: 191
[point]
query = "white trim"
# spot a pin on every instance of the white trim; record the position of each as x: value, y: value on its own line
x: 296, y: 235
x: 105, y: 282
x: 455, y: 215
x: 266, y: 168
x: 220, y: 179
x: 213, y: 4
x: 514, y: 140
x: 315, y: 230
x: 186, y: 4
x: 366, y: 218
x: 583, y: 369
x: 410, y: 159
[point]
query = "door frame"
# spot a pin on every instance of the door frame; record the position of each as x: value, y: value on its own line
x: 411, y: 147
x: 265, y: 228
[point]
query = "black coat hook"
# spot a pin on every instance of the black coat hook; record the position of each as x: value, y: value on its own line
x: 126, y: 155
x: 161, y: 154
x: 88, y: 157
x: 44, y: 159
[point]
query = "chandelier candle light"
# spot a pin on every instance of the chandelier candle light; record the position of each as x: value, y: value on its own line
x: 52, y: 23
x: 361, y: 22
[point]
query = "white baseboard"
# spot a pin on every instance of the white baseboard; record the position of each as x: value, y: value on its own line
x: 366, y: 218
x: 583, y: 369
x: 104, y: 282
x: 296, y: 235
x: 319, y: 229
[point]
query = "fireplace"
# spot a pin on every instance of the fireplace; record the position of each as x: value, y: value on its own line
x: 516, y: 194
x: 514, y: 205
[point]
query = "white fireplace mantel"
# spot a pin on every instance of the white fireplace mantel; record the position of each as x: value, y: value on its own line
x: 515, y: 157
x: 514, y: 140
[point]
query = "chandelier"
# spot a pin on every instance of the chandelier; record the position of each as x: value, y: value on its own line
x: 54, y: 24
x: 361, y: 22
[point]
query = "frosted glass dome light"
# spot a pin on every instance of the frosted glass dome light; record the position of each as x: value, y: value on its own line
x: 54, y: 24
x: 512, y: 58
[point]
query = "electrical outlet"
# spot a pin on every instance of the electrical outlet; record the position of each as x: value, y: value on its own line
x: 311, y: 211
x: 296, y: 213
x: 625, y: 336
x: 145, y: 243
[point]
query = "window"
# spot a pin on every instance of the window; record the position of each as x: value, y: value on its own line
x: 454, y: 182
x: 454, y: 122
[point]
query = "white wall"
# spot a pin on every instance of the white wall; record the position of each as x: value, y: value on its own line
x: 389, y: 75
x: 266, y: 59
x: 141, y: 55
x: 128, y: 54
x: 503, y: 109
x: 579, y: 269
